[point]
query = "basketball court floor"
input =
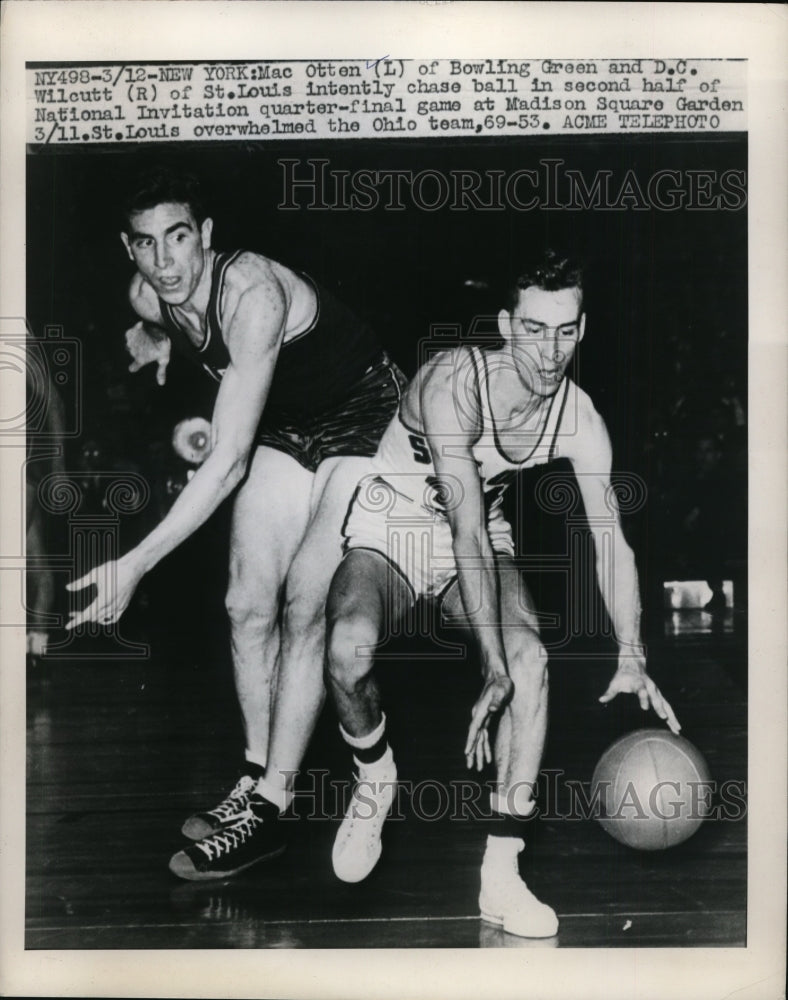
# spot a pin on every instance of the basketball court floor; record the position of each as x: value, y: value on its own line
x: 121, y: 751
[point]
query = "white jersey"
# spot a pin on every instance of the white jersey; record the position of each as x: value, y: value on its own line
x: 401, y: 509
x: 405, y: 451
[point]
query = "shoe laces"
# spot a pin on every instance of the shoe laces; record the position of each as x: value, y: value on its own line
x: 231, y: 838
x: 374, y: 788
x: 238, y: 796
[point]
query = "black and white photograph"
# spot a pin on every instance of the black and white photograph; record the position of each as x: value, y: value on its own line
x: 397, y: 567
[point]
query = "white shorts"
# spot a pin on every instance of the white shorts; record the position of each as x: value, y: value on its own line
x: 394, y: 516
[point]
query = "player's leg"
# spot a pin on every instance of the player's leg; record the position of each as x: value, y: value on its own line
x: 519, y: 744
x: 522, y: 726
x: 522, y: 730
x: 270, y: 515
x: 300, y: 687
x: 344, y: 442
x: 256, y: 593
x: 367, y: 596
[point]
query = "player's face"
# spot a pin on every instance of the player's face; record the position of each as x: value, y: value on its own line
x: 545, y: 329
x: 169, y: 248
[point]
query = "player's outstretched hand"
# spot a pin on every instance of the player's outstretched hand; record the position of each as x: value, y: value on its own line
x: 631, y: 678
x: 115, y: 583
x: 145, y: 349
x: 496, y: 693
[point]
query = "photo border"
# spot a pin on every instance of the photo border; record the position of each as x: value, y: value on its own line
x: 151, y: 29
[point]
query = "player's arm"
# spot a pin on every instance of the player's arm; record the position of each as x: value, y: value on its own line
x: 254, y: 322
x: 147, y: 341
x: 590, y: 453
x: 450, y: 444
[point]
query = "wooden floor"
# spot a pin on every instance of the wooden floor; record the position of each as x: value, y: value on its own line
x: 120, y: 752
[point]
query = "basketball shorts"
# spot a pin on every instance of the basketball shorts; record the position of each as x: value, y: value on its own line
x: 352, y: 427
x: 391, y: 514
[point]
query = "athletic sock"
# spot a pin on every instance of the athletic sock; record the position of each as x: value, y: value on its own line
x: 504, y: 898
x: 253, y: 766
x: 507, y: 825
x: 273, y: 793
x: 371, y: 750
x: 266, y: 810
x: 357, y: 846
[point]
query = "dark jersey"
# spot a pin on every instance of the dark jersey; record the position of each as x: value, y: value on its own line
x: 314, y: 372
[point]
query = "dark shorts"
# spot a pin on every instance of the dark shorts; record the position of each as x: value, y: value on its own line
x: 352, y: 427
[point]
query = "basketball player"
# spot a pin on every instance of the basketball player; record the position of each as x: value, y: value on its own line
x: 304, y: 392
x: 466, y: 425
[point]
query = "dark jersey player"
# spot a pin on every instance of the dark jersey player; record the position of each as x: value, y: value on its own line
x: 304, y: 393
x: 428, y: 522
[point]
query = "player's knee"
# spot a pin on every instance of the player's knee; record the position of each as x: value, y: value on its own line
x: 247, y: 609
x: 349, y: 647
x: 303, y: 616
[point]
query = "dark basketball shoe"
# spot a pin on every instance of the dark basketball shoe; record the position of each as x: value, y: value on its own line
x: 229, y: 811
x: 256, y: 837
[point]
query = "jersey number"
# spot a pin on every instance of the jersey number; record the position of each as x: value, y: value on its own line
x: 421, y: 452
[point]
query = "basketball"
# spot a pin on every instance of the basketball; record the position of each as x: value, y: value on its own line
x: 654, y: 789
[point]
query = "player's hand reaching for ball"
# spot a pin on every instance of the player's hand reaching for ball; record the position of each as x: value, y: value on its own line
x: 631, y: 678
x: 496, y: 694
x: 115, y: 583
x: 146, y: 348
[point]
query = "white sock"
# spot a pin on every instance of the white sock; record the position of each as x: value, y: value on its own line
x: 274, y: 792
x: 500, y: 803
x: 368, y: 740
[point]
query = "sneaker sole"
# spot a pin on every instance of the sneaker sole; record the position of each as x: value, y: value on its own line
x: 500, y: 922
x: 352, y: 877
x: 194, y: 875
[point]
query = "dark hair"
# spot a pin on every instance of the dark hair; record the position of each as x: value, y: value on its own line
x: 160, y: 184
x: 551, y: 271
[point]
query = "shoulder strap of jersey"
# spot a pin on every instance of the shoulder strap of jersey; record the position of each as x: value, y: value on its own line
x: 555, y: 417
x: 220, y: 264
x: 170, y: 323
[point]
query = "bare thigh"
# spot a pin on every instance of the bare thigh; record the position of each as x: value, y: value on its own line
x: 320, y: 550
x: 270, y: 516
